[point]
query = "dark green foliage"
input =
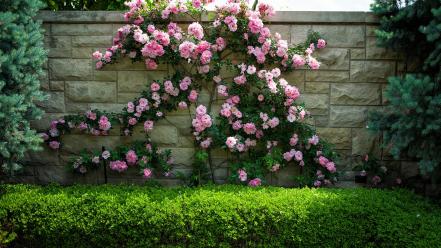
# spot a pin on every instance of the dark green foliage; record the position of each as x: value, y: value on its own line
x: 85, y: 4
x: 21, y: 59
x: 226, y: 216
x: 402, y: 23
x: 411, y: 122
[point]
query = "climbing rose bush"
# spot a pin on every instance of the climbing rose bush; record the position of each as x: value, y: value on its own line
x: 260, y: 120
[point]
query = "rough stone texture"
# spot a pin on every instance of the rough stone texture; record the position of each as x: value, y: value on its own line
x: 70, y: 69
x: 349, y: 83
x: 409, y: 169
x: 54, y: 103
x: 327, y: 76
x: 364, y: 142
x: 355, y: 94
x: 82, y: 29
x: 348, y: 116
x: 74, y: 143
x: 358, y: 53
x: 312, y: 87
x: 59, y: 46
x: 299, y: 33
x: 89, y: 91
x: 342, y: 36
x: 92, y: 41
x: 57, y: 85
x: 372, y: 71
x: 316, y: 103
x: 333, y: 58
x: 137, y: 81
x: 375, y: 52
x: 340, y: 137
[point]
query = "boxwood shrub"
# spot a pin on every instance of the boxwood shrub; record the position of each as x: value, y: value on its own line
x: 221, y: 216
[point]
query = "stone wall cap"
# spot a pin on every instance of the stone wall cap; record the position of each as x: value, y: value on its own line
x: 310, y: 17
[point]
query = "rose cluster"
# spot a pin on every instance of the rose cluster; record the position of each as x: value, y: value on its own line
x: 260, y: 120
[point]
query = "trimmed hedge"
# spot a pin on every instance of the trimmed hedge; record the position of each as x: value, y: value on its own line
x: 222, y: 216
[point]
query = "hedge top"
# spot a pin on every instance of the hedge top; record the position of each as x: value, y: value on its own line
x: 133, y: 216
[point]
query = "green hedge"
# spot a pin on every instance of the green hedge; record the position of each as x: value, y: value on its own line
x: 224, y: 216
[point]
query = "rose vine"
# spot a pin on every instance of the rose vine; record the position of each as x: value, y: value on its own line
x: 237, y: 59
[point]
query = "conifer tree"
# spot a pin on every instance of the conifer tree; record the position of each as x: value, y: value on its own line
x: 21, y: 59
x: 411, y: 122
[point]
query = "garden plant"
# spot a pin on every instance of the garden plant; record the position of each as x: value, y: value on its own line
x: 236, y: 59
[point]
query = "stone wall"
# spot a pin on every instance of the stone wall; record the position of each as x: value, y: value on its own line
x: 339, y: 95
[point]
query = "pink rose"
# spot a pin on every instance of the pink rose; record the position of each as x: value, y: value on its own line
x: 255, y: 182
x: 148, y: 125
x: 97, y: 55
x: 242, y: 175
x: 147, y: 173
x: 155, y: 86
x: 151, y: 64
x: 313, y: 63
x: 321, y: 43
x: 196, y: 30
x: 249, y: 128
x: 231, y: 142
x: 182, y: 105
x: 133, y: 121
x: 118, y: 165
x: 131, y: 157
x: 54, y: 145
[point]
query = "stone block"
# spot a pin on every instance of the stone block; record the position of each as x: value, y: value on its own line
x: 125, y: 64
x: 83, y: 52
x: 333, y: 58
x: 127, y: 97
x: 185, y: 141
x: 299, y: 33
x: 182, y: 156
x: 409, y: 169
x: 371, y: 71
x: 370, y: 30
x: 44, y: 123
x: 183, y: 123
x: 161, y: 134
x: 358, y: 53
x: 327, y: 76
x: 54, y: 103
x: 82, y: 29
x: 70, y: 69
x: 137, y: 81
x: 342, y: 35
x: 82, y: 107
x: 91, y: 91
x: 59, y: 46
x: 74, y: 143
x: 45, y: 157
x: 317, y: 104
x: 365, y: 142
x: 348, y: 116
x: 91, y: 41
x: 44, y: 80
x: 109, y: 76
x: 294, y: 76
x: 375, y: 52
x: 313, y: 87
x: 340, y: 137
x: 355, y: 94
x: 321, y: 120
x: 283, y: 30
x: 53, y: 174
x: 57, y: 85
x: 285, y: 176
